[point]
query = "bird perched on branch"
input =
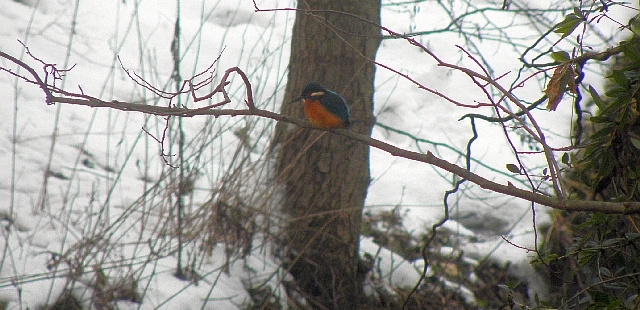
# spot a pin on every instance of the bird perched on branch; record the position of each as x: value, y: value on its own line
x: 324, y: 109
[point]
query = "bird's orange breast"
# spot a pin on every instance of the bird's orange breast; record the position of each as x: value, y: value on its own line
x: 320, y: 117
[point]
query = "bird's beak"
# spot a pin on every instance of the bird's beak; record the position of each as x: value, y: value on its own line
x: 296, y: 99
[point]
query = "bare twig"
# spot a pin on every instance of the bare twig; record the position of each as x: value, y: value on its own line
x: 428, y: 158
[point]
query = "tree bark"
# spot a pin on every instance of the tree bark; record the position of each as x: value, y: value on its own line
x: 326, y: 176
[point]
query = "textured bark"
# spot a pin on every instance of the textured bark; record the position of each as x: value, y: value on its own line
x: 326, y: 175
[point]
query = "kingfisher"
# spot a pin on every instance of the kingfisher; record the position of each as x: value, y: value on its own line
x: 324, y: 108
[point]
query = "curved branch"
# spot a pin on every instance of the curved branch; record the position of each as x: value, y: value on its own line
x: 428, y: 158
x: 38, y: 81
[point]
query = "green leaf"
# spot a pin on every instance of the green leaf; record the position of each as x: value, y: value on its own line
x: 596, y: 98
x: 568, y: 25
x: 613, y: 242
x: 513, y: 168
x: 590, y: 151
x: 616, y: 91
x: 560, y: 56
x: 550, y: 258
x: 604, y: 271
x: 600, y: 119
x: 630, y: 50
x: 620, y: 79
x: 565, y: 158
x: 607, y: 163
x: 600, y: 297
x: 584, y: 257
x: 636, y: 142
x: 578, y: 12
x: 606, y: 131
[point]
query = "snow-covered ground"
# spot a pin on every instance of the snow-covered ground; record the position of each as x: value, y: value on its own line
x: 107, y: 207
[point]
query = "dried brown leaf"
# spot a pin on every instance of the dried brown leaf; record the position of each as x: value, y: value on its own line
x: 562, y: 80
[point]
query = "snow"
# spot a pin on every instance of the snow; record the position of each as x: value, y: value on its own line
x: 104, y: 162
x: 391, y: 268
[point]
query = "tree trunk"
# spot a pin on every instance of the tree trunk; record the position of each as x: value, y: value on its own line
x: 326, y: 176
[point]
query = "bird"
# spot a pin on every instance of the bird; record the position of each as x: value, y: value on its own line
x: 325, y: 109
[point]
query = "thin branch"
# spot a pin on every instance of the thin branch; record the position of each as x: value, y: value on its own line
x: 428, y: 158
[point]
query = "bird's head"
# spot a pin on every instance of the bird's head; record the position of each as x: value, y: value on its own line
x: 312, y: 89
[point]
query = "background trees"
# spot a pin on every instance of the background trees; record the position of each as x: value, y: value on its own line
x: 326, y: 176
